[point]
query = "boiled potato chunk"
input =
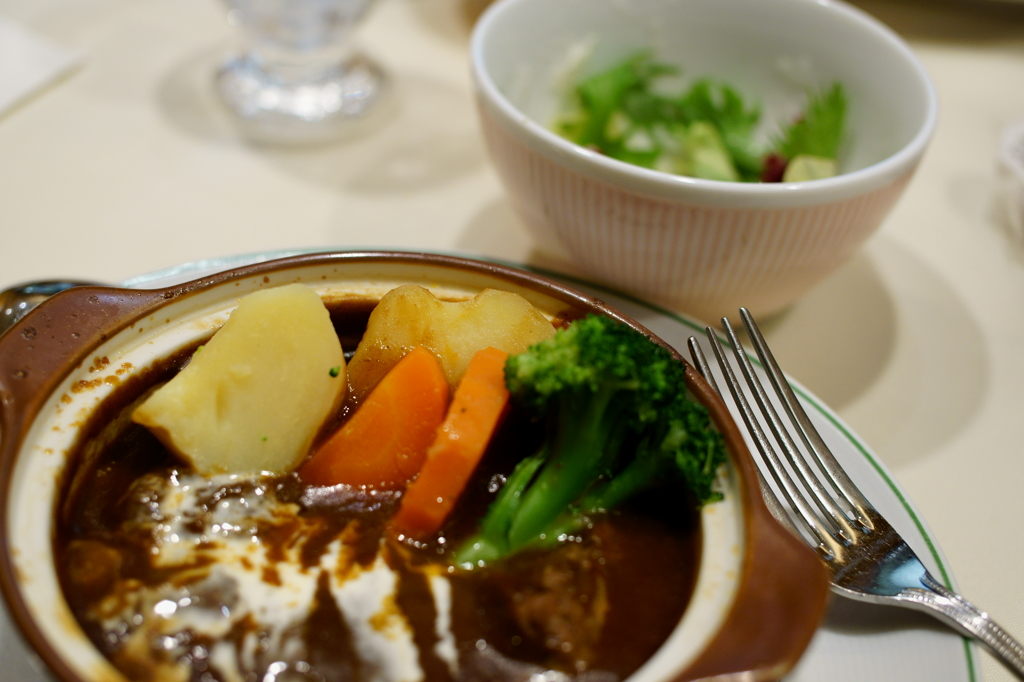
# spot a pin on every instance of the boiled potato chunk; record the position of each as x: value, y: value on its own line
x: 410, y: 316
x: 254, y: 397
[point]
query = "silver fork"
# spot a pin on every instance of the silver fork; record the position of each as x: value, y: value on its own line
x: 868, y: 559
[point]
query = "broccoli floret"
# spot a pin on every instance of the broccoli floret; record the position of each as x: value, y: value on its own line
x: 619, y: 419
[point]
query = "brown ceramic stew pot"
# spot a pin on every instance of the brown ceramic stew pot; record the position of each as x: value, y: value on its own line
x: 758, y: 593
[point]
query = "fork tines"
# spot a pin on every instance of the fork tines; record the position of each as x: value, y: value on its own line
x: 867, y: 557
x: 839, y: 515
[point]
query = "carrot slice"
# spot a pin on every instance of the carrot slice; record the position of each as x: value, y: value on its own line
x: 473, y: 416
x: 384, y: 443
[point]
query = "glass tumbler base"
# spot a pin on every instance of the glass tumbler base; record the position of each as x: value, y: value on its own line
x: 275, y: 109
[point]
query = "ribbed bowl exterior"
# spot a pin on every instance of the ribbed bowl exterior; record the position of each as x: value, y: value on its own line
x: 706, y: 261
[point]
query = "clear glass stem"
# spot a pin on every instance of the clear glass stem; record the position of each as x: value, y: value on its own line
x: 296, y: 79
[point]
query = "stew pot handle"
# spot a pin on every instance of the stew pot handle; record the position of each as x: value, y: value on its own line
x: 38, y: 352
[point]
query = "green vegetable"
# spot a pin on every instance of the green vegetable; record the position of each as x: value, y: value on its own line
x: 722, y: 107
x: 708, y: 131
x: 820, y: 131
x: 619, y: 421
x: 805, y: 167
x: 707, y: 155
x: 335, y: 371
x: 624, y: 87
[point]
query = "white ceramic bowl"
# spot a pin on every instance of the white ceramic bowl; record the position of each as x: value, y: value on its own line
x: 701, y: 246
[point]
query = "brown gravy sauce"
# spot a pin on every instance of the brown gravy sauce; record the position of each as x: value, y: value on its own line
x: 595, y: 609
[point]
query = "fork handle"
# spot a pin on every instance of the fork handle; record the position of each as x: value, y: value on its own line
x: 969, y: 619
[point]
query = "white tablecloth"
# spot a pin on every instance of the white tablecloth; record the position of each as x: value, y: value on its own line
x: 129, y: 165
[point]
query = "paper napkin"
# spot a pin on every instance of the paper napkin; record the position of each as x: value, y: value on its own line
x: 29, y: 62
